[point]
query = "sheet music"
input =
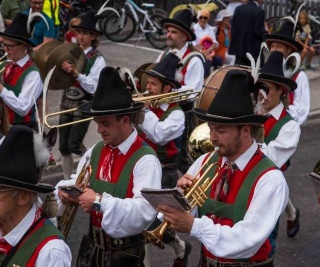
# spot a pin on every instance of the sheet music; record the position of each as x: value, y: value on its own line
x: 171, y: 197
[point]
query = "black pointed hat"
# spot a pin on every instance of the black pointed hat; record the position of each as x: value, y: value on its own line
x: 272, y: 71
x: 232, y: 103
x: 88, y: 23
x: 285, y: 33
x: 17, y: 30
x: 111, y: 97
x: 21, y: 158
x: 183, y: 21
x: 166, y: 70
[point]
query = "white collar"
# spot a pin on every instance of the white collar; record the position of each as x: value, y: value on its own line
x: 126, y: 144
x: 23, y: 60
x: 276, y: 112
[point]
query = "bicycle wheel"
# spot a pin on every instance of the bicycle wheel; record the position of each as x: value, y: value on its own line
x: 274, y: 24
x: 113, y: 29
x: 158, y: 38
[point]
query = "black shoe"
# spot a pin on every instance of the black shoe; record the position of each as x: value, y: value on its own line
x: 293, y: 226
x: 178, y: 262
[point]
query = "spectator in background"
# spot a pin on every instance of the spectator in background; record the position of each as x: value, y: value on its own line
x: 223, y: 34
x: 247, y: 31
x: 42, y: 30
x: 206, y: 42
x: 304, y: 38
x: 10, y: 8
x: 71, y: 35
x: 51, y: 9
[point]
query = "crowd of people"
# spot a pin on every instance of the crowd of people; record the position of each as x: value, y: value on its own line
x: 254, y: 121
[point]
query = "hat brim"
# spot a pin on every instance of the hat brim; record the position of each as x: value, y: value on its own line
x: 95, y: 31
x: 86, y: 109
x: 286, y: 83
x: 249, y: 119
x: 175, y: 84
x: 40, y: 187
x: 176, y: 24
x: 295, y: 46
x: 17, y: 38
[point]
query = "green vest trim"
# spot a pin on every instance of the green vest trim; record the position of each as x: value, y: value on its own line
x: 28, y: 247
x: 236, y: 211
x: 162, y: 150
x: 120, y: 188
x: 276, y: 128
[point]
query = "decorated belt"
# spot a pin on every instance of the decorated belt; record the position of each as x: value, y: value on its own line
x: 105, y: 242
x: 214, y: 263
x: 74, y: 93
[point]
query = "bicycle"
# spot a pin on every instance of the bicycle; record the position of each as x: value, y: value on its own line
x: 120, y: 29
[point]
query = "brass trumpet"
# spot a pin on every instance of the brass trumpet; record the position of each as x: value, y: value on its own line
x: 155, y: 100
x: 195, y: 194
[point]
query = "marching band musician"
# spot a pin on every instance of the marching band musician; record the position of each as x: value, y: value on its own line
x: 161, y: 128
x: 179, y: 38
x: 282, y: 132
x: 235, y: 227
x: 27, y: 237
x: 21, y: 84
x: 71, y: 137
x: 122, y: 164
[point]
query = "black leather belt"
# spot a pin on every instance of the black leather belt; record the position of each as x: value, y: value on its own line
x: 105, y: 242
x: 214, y: 263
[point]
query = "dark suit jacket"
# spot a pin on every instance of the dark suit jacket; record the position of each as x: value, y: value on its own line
x: 247, y: 30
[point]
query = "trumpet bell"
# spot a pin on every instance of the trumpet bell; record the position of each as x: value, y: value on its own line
x: 199, y: 141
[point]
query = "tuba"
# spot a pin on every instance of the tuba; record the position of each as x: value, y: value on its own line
x: 70, y: 211
x: 195, y: 194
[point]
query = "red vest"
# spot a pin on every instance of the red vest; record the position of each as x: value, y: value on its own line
x: 170, y: 149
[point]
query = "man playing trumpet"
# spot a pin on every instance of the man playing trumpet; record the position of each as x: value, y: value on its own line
x: 122, y: 164
x: 236, y: 227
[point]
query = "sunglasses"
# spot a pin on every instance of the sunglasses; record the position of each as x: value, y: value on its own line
x: 204, y: 18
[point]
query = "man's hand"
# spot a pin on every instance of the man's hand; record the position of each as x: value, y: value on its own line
x: 185, y: 181
x: 86, y: 199
x: 179, y: 220
x: 69, y: 68
x: 66, y: 199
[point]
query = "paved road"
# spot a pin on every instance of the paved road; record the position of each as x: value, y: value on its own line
x: 301, y: 251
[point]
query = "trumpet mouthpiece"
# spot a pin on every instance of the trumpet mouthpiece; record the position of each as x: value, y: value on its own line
x: 216, y: 149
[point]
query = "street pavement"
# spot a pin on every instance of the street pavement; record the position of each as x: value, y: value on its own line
x: 301, y: 251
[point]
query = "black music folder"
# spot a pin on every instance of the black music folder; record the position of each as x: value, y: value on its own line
x: 72, y: 190
x: 315, y: 178
x: 172, y: 197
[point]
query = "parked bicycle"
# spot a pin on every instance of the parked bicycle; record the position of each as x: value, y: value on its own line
x: 120, y: 29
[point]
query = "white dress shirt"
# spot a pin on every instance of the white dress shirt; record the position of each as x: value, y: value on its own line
x: 193, y: 78
x: 162, y: 132
x: 244, y: 238
x: 90, y: 82
x: 32, y: 87
x: 300, y: 108
x: 129, y: 216
x: 281, y: 149
x: 55, y: 253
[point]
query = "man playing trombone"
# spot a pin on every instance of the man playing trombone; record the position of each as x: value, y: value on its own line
x: 239, y: 221
x: 122, y: 164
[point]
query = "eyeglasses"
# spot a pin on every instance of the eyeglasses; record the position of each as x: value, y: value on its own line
x: 8, y: 46
x: 204, y: 18
x: 36, y: 3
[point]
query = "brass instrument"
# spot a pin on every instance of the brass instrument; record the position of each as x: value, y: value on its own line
x: 195, y: 194
x: 155, y: 100
x: 70, y: 211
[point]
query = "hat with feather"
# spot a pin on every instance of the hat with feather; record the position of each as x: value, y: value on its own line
x: 183, y: 21
x: 232, y: 103
x: 111, y: 97
x: 23, y: 154
x: 167, y: 70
